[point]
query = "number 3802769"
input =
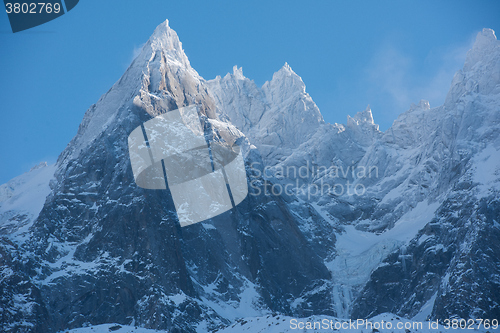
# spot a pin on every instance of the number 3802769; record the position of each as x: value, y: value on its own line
x: 33, y: 8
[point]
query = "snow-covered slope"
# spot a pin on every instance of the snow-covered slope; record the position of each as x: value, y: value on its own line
x: 22, y: 199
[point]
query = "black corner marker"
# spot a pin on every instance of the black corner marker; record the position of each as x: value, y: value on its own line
x: 28, y: 14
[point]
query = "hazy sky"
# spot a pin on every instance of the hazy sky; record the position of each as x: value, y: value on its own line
x: 349, y: 53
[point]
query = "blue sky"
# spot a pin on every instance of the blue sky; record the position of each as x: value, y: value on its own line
x: 349, y: 54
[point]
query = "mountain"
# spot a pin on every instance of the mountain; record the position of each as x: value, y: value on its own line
x: 276, y: 117
x: 340, y: 220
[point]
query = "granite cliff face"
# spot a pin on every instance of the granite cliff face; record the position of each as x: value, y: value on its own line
x: 413, y: 231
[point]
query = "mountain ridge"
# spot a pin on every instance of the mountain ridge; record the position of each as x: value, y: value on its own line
x: 103, y: 250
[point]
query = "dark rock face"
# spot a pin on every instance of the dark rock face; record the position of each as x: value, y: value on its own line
x: 121, y: 252
x: 473, y: 288
x: 127, y: 236
x: 21, y: 303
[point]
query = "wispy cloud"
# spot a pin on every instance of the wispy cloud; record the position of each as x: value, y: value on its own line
x: 395, y: 75
x: 136, y: 51
x: 388, y: 73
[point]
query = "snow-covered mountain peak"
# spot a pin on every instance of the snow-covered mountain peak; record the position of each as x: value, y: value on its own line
x: 485, y: 46
x: 160, y: 75
x: 481, y: 71
x: 276, y: 118
x: 165, y: 39
x: 362, y: 117
x: 238, y: 73
x: 284, y: 82
x: 286, y: 69
x: 362, y: 127
x: 239, y: 98
x: 286, y: 72
x: 422, y: 105
x: 485, y: 38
